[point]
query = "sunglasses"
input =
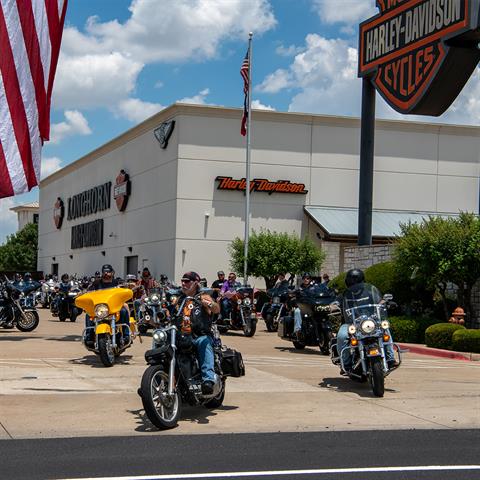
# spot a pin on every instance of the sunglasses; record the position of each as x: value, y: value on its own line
x: 187, y: 281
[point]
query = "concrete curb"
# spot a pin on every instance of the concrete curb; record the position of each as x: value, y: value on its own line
x: 437, y: 352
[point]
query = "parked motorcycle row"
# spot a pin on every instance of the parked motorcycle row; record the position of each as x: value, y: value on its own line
x: 305, y: 316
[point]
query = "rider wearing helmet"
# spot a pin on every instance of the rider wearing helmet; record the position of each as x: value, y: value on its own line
x: 108, y: 280
x: 366, y: 294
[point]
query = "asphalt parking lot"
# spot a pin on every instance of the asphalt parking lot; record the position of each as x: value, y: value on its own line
x: 50, y: 386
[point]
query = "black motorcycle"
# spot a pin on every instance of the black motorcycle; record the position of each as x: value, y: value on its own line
x: 12, y: 314
x: 313, y: 305
x: 154, y: 309
x: 174, y: 376
x: 277, y: 307
x: 65, y: 302
x: 241, y: 312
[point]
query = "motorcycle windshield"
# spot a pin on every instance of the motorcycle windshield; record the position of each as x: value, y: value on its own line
x: 361, y: 301
x: 316, y: 294
x: 26, y: 288
x: 278, y: 291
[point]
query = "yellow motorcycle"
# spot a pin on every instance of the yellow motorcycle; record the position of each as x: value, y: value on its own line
x: 103, y: 308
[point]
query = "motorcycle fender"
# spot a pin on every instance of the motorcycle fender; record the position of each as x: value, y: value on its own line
x: 103, y: 328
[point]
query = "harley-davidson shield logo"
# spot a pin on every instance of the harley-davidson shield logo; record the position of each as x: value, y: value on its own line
x: 121, y: 190
x: 164, y: 132
x: 58, y: 213
x: 420, y: 53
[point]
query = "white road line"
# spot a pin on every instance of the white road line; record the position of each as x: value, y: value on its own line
x: 275, y: 473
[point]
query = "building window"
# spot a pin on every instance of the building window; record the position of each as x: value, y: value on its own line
x: 35, y: 218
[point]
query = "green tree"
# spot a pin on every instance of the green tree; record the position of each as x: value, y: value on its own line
x: 19, y: 252
x: 270, y: 253
x: 442, y: 250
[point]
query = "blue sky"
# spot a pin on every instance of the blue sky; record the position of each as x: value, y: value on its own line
x: 123, y: 60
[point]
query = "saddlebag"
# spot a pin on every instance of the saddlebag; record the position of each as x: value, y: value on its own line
x: 232, y: 363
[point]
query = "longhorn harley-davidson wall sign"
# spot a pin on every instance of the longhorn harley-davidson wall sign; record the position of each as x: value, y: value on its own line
x: 420, y: 53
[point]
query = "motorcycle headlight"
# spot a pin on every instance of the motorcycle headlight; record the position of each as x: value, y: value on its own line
x: 352, y: 329
x: 276, y: 299
x: 247, y: 301
x: 173, y: 299
x: 385, y: 324
x: 154, y: 298
x: 160, y: 337
x: 368, y: 326
x: 101, y: 310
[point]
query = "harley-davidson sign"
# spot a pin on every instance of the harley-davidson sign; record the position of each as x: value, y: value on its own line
x: 121, y: 190
x: 58, y: 213
x: 261, y: 185
x: 420, y: 53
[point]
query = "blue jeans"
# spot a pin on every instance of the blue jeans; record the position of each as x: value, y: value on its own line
x: 225, y: 307
x: 204, y: 346
x: 297, y: 317
x: 124, y: 319
x: 342, y: 342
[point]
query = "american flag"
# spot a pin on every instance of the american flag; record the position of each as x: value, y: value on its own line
x: 244, y: 72
x: 30, y: 36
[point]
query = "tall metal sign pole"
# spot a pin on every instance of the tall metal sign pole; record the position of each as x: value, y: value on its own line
x: 418, y: 55
x: 247, y: 173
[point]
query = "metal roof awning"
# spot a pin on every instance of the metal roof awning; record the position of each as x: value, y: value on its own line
x: 339, y: 222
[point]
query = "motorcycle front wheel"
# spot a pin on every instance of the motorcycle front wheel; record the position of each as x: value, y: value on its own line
x: 105, y: 350
x: 162, y: 410
x: 29, y: 323
x: 377, y: 379
x: 250, y: 327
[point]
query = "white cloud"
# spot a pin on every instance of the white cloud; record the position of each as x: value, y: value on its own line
x: 137, y: 110
x: 50, y: 165
x: 289, y: 51
x: 276, y: 81
x: 94, y: 80
x: 8, y: 219
x: 257, y: 105
x: 348, y: 12
x: 162, y: 30
x: 75, y: 124
x: 198, y: 99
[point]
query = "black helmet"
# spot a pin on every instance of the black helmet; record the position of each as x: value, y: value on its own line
x: 97, y: 273
x: 27, y: 276
x: 354, y: 276
x: 163, y: 278
x: 306, y: 275
x: 107, y: 268
x: 65, y: 277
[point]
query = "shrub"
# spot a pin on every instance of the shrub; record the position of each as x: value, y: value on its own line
x: 440, y: 335
x: 383, y: 276
x: 403, y: 329
x: 467, y: 340
x: 338, y: 283
x: 422, y: 324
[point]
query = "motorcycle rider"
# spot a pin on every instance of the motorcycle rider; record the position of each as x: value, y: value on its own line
x: 218, y: 284
x: 229, y: 287
x: 297, y: 316
x: 198, y: 323
x: 107, y: 280
x: 356, y: 286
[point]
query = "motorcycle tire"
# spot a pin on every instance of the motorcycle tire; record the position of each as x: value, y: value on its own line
x: 325, y: 344
x: 73, y: 316
x: 105, y: 350
x: 142, y: 329
x: 377, y: 379
x: 29, y: 324
x: 161, y: 415
x: 250, y: 328
x: 217, y: 401
x: 270, y: 326
x: 298, y: 345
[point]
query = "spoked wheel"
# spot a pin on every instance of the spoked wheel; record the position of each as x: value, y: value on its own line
x: 217, y: 401
x: 29, y: 322
x: 105, y: 349
x: 250, y: 327
x: 377, y: 379
x: 162, y: 409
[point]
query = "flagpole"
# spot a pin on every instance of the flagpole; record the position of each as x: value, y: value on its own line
x: 247, y: 176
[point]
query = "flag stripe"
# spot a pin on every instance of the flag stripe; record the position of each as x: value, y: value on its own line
x: 13, y: 90
x: 43, y: 35
x: 6, y: 188
x: 55, y: 39
x: 35, y: 62
x: 244, y: 72
x: 10, y: 148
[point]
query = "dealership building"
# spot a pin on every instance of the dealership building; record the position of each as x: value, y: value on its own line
x: 168, y: 193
